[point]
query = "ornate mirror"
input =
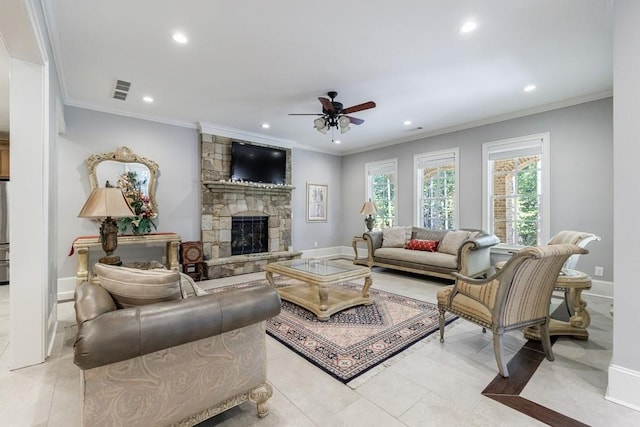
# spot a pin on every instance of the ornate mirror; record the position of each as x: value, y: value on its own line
x: 111, y: 166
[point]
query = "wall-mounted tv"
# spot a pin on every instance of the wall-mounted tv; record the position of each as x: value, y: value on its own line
x: 257, y: 163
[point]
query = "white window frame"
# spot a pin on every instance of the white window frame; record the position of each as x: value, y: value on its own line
x: 433, y: 157
x: 513, y: 144
x: 370, y: 167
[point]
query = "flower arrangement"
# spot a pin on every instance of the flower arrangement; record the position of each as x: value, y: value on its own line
x: 142, y: 222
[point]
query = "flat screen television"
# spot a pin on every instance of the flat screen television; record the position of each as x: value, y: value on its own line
x: 257, y: 163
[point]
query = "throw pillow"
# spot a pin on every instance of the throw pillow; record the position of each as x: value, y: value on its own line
x: 452, y: 242
x: 131, y: 287
x: 394, y: 237
x: 422, y: 245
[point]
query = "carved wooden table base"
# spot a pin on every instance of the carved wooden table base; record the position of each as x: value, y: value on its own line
x: 317, y: 292
x: 572, y: 283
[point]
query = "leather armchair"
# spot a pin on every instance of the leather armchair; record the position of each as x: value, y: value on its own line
x: 517, y: 296
x: 172, y: 363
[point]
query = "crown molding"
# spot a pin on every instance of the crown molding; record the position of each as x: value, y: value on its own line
x: 173, y: 122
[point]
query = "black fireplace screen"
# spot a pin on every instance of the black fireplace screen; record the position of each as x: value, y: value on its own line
x: 249, y: 235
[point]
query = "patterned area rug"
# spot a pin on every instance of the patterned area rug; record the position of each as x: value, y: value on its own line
x: 356, y: 339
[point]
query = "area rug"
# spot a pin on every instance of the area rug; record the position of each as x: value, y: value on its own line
x: 354, y: 340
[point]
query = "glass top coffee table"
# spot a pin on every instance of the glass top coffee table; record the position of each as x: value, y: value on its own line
x: 317, y: 292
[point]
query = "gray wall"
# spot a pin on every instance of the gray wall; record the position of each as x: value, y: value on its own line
x: 175, y: 149
x: 316, y: 168
x: 581, y: 174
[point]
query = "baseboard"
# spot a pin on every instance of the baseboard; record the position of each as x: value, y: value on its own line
x: 600, y: 288
x: 332, y: 252
x: 66, y: 288
x: 623, y: 387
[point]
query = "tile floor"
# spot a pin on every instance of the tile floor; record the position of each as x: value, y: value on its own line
x: 428, y: 384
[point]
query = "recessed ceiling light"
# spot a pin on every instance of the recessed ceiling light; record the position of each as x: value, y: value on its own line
x: 467, y: 27
x: 147, y: 99
x: 529, y: 88
x: 337, y: 141
x: 266, y: 126
x: 406, y: 122
x: 180, y: 38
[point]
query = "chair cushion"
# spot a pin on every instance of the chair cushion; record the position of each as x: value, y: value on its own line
x: 422, y: 245
x: 464, y: 305
x: 452, y: 242
x: 394, y: 237
x: 132, y: 287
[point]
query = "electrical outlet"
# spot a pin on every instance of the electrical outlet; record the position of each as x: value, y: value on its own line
x: 599, y: 271
x: 315, y: 244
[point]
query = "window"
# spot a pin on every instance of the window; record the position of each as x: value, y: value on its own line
x: 381, y: 189
x: 516, y: 189
x: 436, y: 189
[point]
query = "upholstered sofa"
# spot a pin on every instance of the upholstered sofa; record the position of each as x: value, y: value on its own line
x: 168, y: 354
x: 430, y: 252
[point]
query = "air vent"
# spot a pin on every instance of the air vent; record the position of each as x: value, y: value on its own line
x: 121, y: 90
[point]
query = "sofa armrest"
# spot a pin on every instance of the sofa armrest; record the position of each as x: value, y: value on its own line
x: 374, y: 241
x: 484, y: 241
x: 117, y: 335
x: 474, y: 255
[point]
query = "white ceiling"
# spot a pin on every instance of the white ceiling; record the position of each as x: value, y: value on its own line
x: 254, y: 61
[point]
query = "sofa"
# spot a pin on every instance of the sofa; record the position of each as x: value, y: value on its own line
x: 430, y: 252
x: 156, y: 350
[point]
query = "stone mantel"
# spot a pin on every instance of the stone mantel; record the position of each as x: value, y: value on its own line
x: 247, y: 187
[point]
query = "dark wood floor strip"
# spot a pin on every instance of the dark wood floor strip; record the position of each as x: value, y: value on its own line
x: 521, y: 368
x: 534, y: 410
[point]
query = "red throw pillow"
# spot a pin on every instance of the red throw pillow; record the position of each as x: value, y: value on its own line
x: 422, y: 245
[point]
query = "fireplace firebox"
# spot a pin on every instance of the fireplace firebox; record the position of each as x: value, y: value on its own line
x: 249, y: 235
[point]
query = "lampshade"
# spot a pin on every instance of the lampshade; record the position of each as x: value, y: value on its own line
x: 369, y: 208
x: 106, y: 202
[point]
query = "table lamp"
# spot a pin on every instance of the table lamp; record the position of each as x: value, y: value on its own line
x: 107, y: 203
x: 369, y: 209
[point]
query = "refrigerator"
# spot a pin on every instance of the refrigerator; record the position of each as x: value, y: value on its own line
x: 4, y: 232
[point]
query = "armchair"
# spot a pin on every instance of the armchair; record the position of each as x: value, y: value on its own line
x: 176, y: 362
x: 515, y: 297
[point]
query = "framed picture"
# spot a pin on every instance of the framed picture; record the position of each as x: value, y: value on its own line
x: 317, y: 196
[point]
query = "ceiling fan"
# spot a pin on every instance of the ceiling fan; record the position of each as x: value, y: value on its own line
x: 335, y: 115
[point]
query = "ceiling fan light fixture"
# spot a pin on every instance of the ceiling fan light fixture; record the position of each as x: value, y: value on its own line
x: 343, y: 124
x: 321, y: 125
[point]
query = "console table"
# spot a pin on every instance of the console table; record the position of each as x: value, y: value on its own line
x: 81, y: 245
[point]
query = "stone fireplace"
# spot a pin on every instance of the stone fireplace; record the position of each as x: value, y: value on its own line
x: 223, y: 202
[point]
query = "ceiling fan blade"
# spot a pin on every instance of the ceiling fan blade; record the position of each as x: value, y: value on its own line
x: 359, y: 107
x: 355, y: 120
x: 306, y: 114
x: 326, y: 104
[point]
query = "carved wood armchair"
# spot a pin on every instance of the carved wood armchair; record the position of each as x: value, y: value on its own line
x: 517, y: 296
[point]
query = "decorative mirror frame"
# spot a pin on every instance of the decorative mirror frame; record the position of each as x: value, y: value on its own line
x: 125, y: 155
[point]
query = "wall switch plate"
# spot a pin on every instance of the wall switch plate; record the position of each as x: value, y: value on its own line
x: 315, y: 244
x: 599, y: 271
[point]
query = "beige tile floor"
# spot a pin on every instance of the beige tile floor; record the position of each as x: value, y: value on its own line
x: 428, y: 384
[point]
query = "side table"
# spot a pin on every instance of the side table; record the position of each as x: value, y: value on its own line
x: 83, y: 244
x: 572, y: 283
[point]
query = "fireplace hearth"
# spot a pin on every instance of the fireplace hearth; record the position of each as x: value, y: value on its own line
x: 249, y: 235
